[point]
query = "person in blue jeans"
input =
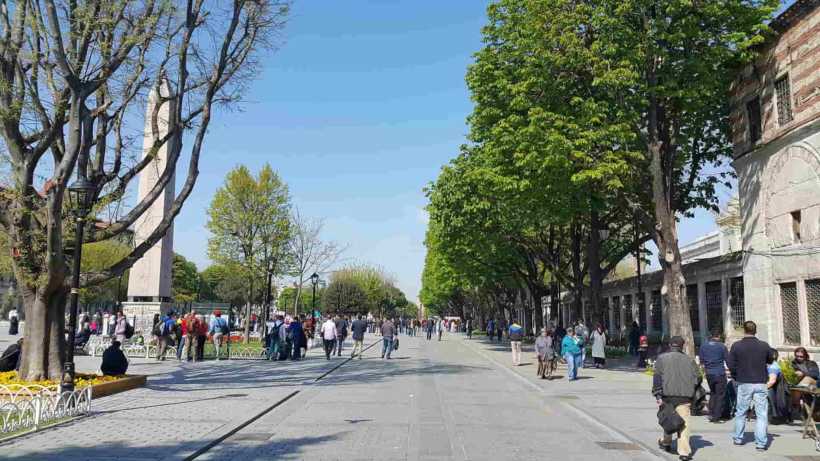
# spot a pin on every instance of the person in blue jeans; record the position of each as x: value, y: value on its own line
x: 571, y: 350
x: 747, y: 363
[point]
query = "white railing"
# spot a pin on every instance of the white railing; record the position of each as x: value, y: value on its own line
x: 31, y: 407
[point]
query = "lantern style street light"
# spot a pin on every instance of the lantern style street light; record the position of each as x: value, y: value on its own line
x: 80, y: 195
x: 314, y: 279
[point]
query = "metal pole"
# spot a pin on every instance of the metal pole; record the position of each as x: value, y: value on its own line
x: 640, y: 301
x: 313, y: 301
x: 67, y: 383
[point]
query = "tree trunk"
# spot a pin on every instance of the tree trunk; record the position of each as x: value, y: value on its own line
x: 577, y: 275
x: 594, y: 264
x: 666, y: 238
x: 537, y: 311
x: 44, y: 344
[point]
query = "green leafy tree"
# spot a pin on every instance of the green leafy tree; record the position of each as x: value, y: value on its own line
x: 248, y: 220
x: 98, y: 257
x: 185, y: 280
x: 344, y: 295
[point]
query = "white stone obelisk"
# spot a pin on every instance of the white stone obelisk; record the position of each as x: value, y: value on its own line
x: 149, y: 281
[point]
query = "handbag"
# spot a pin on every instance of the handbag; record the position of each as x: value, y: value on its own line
x: 396, y: 344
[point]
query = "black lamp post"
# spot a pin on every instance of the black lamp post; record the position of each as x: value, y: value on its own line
x: 314, y: 279
x: 80, y: 194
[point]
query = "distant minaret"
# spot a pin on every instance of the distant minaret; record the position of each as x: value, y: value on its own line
x: 149, y: 281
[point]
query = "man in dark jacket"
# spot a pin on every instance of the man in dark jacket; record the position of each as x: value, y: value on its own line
x: 358, y: 328
x: 747, y: 363
x: 713, y: 359
x: 10, y: 360
x: 114, y: 362
x: 341, y: 334
x: 674, y: 382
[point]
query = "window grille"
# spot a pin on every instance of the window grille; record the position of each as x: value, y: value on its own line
x: 753, y: 113
x: 657, y: 311
x: 737, y: 302
x: 790, y: 312
x: 714, y: 306
x: 813, y: 305
x: 628, y: 310
x: 784, y: 100
x: 692, y: 300
x: 616, y: 313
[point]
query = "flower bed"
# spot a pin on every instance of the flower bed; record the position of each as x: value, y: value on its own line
x: 81, y: 380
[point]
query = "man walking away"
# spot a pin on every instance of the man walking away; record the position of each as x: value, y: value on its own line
x: 218, y: 329
x: 440, y: 328
x: 191, y: 326
x: 491, y: 329
x: 516, y: 334
x: 329, y: 336
x: 388, y: 331
x: 163, y: 332
x: 747, y: 363
x: 430, y: 326
x: 341, y: 334
x: 500, y: 327
x: 713, y: 359
x: 273, y: 338
x: 468, y: 328
x: 673, y: 385
x: 357, y: 329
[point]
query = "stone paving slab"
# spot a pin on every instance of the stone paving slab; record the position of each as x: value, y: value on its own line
x: 183, y: 407
x: 620, y: 398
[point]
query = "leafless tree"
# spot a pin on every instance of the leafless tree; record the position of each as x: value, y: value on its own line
x: 309, y: 254
x: 75, y: 76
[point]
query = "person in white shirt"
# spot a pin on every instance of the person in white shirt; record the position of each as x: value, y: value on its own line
x: 329, y: 336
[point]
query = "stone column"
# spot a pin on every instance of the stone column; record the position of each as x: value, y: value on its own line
x: 149, y: 281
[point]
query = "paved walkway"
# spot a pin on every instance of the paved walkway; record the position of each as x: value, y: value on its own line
x: 448, y: 400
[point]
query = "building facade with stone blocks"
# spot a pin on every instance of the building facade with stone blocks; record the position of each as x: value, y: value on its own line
x: 775, y: 116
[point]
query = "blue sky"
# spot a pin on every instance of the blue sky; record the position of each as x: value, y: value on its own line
x: 357, y: 112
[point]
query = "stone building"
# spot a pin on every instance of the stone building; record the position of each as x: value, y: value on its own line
x: 776, y: 135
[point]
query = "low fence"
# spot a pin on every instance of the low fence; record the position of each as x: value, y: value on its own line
x: 147, y: 350
x: 30, y: 407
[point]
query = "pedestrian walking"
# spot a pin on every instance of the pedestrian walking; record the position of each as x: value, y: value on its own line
x: 217, y: 329
x: 516, y: 335
x: 713, y: 356
x: 491, y: 329
x: 545, y: 354
x: 634, y: 339
x: 643, y: 349
x: 468, y: 328
x: 500, y: 327
x: 329, y: 336
x: 357, y: 330
x: 190, y: 328
x: 201, y: 337
x: 14, y: 322
x: 747, y: 363
x: 341, y: 334
x: 582, y: 332
x: 274, y: 339
x: 120, y: 328
x: 440, y: 328
x: 674, y: 381
x: 388, y: 331
x: 598, y: 339
x: 430, y: 328
x: 571, y: 351
x: 297, y: 337
x: 163, y: 330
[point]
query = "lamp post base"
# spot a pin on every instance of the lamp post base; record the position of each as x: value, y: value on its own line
x: 67, y: 383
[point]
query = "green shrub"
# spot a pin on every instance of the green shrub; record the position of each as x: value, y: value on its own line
x: 788, y: 371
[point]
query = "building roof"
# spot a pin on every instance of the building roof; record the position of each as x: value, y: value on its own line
x: 797, y: 10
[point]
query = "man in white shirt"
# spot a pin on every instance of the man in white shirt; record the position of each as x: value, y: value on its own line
x: 329, y: 336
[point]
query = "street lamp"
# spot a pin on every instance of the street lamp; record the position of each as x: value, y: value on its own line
x: 80, y: 195
x: 314, y: 279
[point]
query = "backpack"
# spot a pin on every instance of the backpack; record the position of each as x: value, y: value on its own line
x: 191, y: 325
x: 157, y: 329
x: 396, y: 344
x: 129, y: 330
x: 222, y: 325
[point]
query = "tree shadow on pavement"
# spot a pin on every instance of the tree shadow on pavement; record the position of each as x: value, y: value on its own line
x: 275, y: 448
x: 389, y: 370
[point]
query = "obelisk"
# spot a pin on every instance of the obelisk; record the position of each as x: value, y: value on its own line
x: 149, y: 281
